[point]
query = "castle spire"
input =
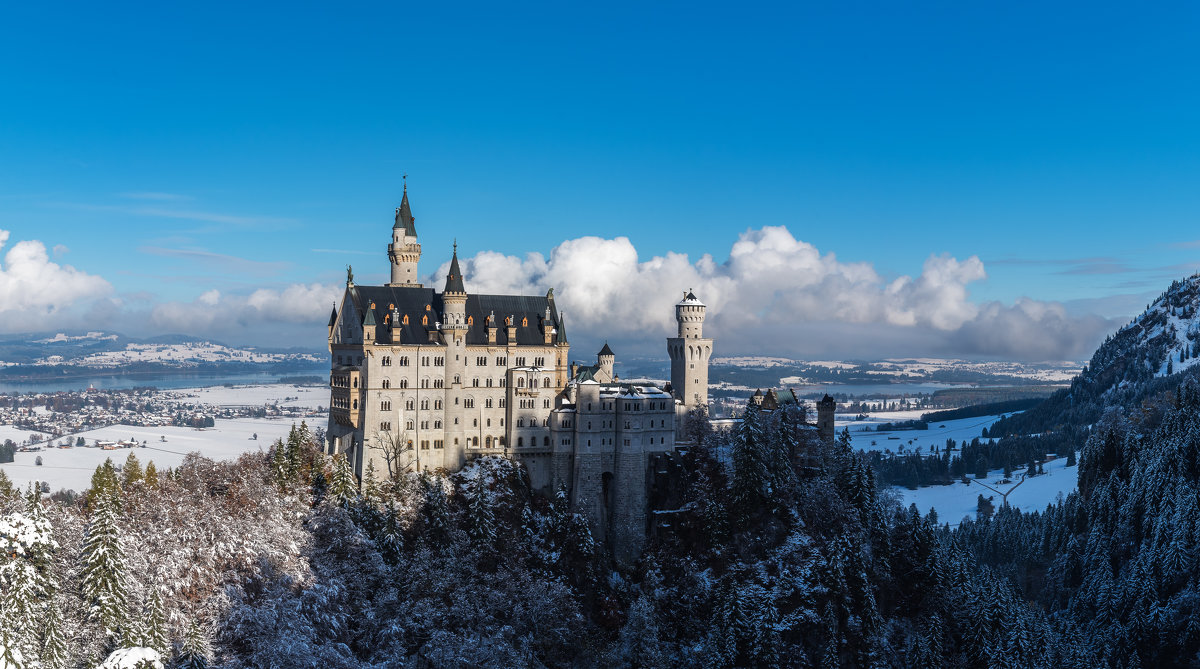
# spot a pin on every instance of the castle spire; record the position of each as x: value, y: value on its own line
x: 404, y: 217
x: 454, y: 280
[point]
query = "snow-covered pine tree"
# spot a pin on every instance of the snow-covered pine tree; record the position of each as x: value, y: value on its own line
x: 751, y: 476
x: 370, y: 486
x: 131, y: 473
x: 103, y: 574
x: 342, y: 487
x: 55, y: 652
x: 154, y: 625
x: 192, y: 653
x: 481, y: 522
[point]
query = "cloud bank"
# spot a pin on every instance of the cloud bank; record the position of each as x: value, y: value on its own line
x: 779, y: 295
x: 32, y: 288
x: 775, y: 295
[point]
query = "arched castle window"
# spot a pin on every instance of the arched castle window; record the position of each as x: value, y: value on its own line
x: 437, y: 404
x: 524, y: 322
x: 470, y: 320
x: 355, y: 404
x: 545, y: 441
x: 546, y: 382
x: 409, y: 405
x: 425, y: 320
x: 405, y: 321
x: 403, y: 383
x: 487, y: 442
x: 475, y: 442
x: 425, y: 382
x: 387, y: 384
x: 520, y: 383
x: 424, y: 405
x: 520, y: 441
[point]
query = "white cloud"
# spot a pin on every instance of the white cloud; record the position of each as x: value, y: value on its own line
x: 778, y: 294
x: 262, y: 316
x: 33, y: 288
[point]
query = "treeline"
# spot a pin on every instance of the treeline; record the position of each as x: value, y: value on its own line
x: 977, y: 410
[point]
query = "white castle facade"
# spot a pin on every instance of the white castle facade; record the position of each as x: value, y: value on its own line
x: 422, y: 380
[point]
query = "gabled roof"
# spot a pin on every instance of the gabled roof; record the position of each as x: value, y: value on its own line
x: 404, y: 217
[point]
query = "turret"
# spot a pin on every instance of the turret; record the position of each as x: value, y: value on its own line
x: 606, y: 358
x: 404, y: 252
x: 690, y: 352
x: 454, y: 335
x: 825, y: 411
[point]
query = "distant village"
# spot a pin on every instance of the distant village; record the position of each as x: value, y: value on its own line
x: 56, y: 419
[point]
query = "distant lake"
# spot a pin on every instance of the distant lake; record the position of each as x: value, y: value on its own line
x: 156, y: 379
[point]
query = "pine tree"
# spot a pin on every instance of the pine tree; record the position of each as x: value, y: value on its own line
x: 751, y: 477
x: 343, y: 488
x: 279, y: 464
x: 105, y: 484
x: 370, y: 486
x: 151, y: 475
x: 154, y: 627
x: 481, y: 521
x: 192, y: 654
x: 55, y: 653
x: 131, y: 473
x: 103, y: 575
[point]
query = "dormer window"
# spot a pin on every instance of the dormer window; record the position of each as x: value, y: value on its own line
x: 425, y: 320
x: 470, y: 320
x: 406, y: 319
x: 524, y: 322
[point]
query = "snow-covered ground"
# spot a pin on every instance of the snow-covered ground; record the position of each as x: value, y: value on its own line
x: 864, y: 439
x: 957, y: 500
x: 72, y: 468
x: 307, y: 397
x: 18, y: 435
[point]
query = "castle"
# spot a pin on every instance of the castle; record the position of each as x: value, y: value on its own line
x: 422, y: 380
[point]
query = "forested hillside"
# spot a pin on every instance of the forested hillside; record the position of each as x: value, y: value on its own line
x: 781, y: 553
x: 1156, y: 352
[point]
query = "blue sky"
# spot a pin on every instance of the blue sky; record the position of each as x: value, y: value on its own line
x: 172, y: 151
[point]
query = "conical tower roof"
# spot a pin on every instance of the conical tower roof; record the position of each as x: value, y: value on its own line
x: 606, y: 350
x: 454, y: 280
x: 404, y: 217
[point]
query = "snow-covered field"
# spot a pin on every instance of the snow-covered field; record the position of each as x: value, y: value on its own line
x: 963, y: 429
x: 17, y: 434
x: 308, y: 397
x: 958, y: 499
x: 72, y: 468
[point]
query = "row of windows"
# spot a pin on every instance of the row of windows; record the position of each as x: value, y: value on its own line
x: 533, y: 422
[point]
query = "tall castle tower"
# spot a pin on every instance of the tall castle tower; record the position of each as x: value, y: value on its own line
x: 404, y: 252
x: 454, y: 333
x: 689, y: 353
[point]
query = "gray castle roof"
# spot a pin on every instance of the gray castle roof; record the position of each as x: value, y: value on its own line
x: 606, y: 350
x: 454, y: 281
x: 417, y: 303
x: 404, y: 217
